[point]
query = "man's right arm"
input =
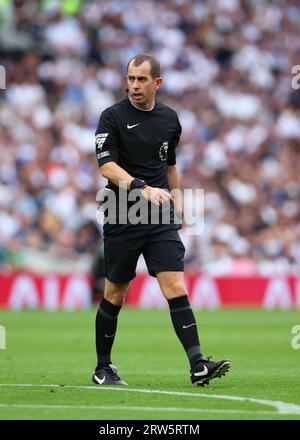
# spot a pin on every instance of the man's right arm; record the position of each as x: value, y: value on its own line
x: 107, y: 150
x: 117, y: 175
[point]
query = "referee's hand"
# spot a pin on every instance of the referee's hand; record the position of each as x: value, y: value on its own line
x: 158, y: 196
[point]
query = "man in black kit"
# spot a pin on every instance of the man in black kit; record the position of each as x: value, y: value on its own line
x: 135, y: 146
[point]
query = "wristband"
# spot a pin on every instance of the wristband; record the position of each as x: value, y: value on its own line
x: 137, y: 184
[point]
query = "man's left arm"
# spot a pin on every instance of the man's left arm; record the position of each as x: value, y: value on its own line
x: 172, y: 172
x: 174, y: 185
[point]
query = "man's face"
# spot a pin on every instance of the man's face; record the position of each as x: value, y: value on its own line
x: 142, y: 87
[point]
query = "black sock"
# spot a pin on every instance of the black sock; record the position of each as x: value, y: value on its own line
x: 185, y: 326
x: 106, y: 327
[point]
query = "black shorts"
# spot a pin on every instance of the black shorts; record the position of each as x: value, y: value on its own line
x: 162, y: 249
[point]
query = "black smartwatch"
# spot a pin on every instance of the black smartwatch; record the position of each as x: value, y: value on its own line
x: 137, y: 184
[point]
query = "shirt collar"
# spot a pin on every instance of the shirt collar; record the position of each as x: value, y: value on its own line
x: 143, y: 110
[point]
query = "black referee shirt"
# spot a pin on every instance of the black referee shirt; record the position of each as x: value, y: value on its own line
x: 141, y: 142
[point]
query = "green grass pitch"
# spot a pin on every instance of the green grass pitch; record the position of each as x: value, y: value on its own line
x: 57, y: 348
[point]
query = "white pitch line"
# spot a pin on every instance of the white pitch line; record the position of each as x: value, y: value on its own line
x: 135, y: 408
x: 281, y: 407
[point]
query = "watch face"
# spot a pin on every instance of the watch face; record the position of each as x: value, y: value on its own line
x: 137, y: 183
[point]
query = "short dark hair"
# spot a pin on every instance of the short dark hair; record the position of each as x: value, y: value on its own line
x: 154, y: 63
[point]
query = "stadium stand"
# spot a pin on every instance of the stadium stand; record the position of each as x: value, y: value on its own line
x: 227, y: 68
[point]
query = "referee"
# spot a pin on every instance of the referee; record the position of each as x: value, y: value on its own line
x: 135, y: 147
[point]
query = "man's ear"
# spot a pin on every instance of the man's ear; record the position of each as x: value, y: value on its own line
x: 158, y: 82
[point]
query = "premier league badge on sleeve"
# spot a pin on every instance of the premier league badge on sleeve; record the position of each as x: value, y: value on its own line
x: 163, y: 151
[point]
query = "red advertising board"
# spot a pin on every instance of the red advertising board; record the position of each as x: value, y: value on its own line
x: 51, y: 291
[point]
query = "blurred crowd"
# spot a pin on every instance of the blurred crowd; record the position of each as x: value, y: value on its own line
x: 227, y: 71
